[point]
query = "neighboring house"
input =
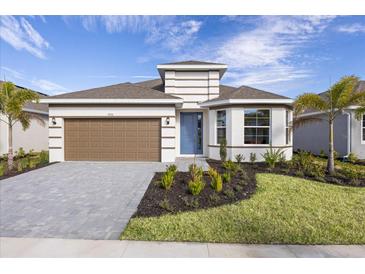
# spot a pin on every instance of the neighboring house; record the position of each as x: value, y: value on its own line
x: 35, y: 137
x: 349, y: 133
x: 184, y: 113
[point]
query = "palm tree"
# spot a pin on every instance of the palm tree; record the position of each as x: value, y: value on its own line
x: 12, y: 101
x: 332, y: 103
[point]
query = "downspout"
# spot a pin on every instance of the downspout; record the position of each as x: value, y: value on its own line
x: 349, y: 142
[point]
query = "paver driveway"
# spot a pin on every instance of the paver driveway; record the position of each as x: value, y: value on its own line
x: 80, y: 200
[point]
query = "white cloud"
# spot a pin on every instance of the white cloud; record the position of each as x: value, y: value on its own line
x: 144, y: 76
x: 48, y: 86
x: 22, y: 36
x: 268, y: 52
x: 354, y: 28
x: 13, y: 74
x: 169, y: 31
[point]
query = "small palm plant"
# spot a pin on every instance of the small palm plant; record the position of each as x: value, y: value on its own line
x: 332, y: 103
x: 12, y: 101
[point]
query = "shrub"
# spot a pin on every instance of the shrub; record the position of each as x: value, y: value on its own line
x: 2, y: 170
x: 322, y: 154
x: 223, y: 150
x: 44, y: 157
x: 32, y: 153
x: 165, y: 204
x: 273, y: 156
x: 216, y: 179
x: 196, y: 186
x: 19, y: 166
x: 351, y: 173
x: 214, y: 198
x: 191, y: 202
x: 242, y: 183
x: 167, y: 179
x: 226, y: 176
x: 20, y: 153
x: 229, y: 193
x: 335, y: 154
x: 231, y: 167
x: 253, y: 157
x: 304, y: 164
x: 196, y: 172
x: 239, y: 158
x: 352, y: 158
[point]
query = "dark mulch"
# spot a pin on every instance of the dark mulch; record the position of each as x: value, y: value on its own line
x: 179, y: 199
x: 14, y: 172
x: 243, y: 185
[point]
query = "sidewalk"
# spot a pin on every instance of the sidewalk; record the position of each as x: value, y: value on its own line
x: 32, y: 247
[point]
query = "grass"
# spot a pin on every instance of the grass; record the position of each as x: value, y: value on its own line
x: 284, y: 210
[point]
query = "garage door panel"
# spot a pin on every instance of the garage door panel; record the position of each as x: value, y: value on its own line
x: 112, y: 139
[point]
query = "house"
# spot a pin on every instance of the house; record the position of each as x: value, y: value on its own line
x: 35, y: 137
x: 349, y: 133
x: 185, y: 112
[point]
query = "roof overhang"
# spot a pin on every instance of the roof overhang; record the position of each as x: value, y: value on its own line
x: 191, y: 67
x: 247, y: 102
x: 35, y: 111
x: 110, y: 101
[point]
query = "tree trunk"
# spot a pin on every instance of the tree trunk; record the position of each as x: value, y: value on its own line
x: 331, y: 161
x: 10, y: 143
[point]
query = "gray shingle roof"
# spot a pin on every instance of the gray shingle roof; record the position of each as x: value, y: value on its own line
x: 193, y: 62
x: 33, y: 106
x: 245, y: 92
x: 118, y: 91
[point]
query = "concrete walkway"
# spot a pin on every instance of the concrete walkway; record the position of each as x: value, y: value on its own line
x: 32, y: 247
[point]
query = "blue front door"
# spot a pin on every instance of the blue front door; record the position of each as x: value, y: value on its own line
x: 191, y: 133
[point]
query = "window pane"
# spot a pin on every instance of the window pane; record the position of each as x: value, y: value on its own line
x: 263, y: 131
x: 363, y: 120
x: 261, y: 122
x: 250, y: 122
x: 250, y: 139
x: 250, y: 112
x: 221, y: 118
x: 263, y: 113
x: 363, y: 134
x: 263, y: 140
x: 250, y: 131
x: 221, y: 135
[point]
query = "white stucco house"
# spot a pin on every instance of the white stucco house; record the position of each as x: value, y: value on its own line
x: 185, y: 112
x: 35, y: 137
x: 349, y: 133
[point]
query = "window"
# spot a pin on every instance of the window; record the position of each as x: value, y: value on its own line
x: 221, y: 126
x: 363, y: 128
x: 257, y: 126
x: 287, y: 128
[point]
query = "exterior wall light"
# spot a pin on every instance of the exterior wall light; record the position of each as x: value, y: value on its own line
x: 53, y: 120
x: 167, y: 120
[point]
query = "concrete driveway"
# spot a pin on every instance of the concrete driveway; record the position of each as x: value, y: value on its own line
x: 75, y: 200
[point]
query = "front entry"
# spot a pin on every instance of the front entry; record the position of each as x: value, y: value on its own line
x: 191, y: 133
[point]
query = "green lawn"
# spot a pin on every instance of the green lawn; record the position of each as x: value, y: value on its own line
x: 284, y: 210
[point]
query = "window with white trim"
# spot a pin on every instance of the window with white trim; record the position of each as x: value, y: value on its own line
x: 363, y: 128
x: 221, y: 126
x: 287, y: 128
x: 257, y: 126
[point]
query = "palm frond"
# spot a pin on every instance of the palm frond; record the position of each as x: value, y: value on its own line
x: 342, y: 92
x: 309, y: 102
x: 359, y: 112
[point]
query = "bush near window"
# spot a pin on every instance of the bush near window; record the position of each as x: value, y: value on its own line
x: 223, y: 150
x: 231, y: 167
x: 216, y: 179
x: 273, y: 156
x: 196, y: 172
x: 239, y: 158
x: 352, y: 158
x: 253, y: 157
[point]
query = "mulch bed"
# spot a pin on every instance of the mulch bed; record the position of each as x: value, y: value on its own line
x: 179, y: 198
x: 14, y: 172
x: 242, y: 186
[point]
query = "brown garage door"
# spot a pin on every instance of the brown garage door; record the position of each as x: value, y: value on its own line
x: 112, y: 139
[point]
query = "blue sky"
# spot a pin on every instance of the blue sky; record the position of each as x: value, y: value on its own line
x: 284, y: 54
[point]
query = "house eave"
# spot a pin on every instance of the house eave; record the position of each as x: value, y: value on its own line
x: 247, y: 101
x: 112, y: 101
